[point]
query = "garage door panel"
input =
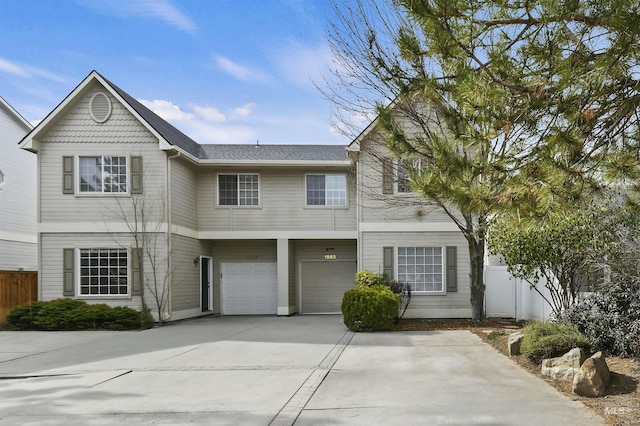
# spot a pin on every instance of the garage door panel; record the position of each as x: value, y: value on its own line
x: 249, y: 288
x: 324, y: 284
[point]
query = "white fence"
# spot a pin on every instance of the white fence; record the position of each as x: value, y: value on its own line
x: 509, y: 297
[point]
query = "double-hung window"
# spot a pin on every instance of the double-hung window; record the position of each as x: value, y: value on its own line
x: 402, y: 177
x: 238, y: 190
x: 326, y: 190
x: 422, y: 268
x: 103, y: 175
x: 104, y: 272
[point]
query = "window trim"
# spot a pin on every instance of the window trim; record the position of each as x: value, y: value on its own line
x: 78, y: 275
x: 396, y: 177
x: 79, y: 193
x: 443, y: 248
x: 325, y: 206
x: 236, y: 206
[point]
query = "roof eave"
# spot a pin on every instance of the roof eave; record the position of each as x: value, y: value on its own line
x: 277, y: 163
x: 15, y: 114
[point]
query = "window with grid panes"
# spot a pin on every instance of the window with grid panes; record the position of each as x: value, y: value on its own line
x: 104, y: 272
x: 402, y: 177
x: 238, y: 190
x: 422, y: 268
x: 326, y: 190
x: 103, y: 175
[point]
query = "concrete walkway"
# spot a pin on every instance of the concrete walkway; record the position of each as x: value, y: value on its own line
x: 303, y: 370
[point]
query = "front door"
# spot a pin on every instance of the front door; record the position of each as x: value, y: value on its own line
x: 205, y: 283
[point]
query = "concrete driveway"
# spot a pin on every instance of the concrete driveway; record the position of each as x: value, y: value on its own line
x: 307, y: 370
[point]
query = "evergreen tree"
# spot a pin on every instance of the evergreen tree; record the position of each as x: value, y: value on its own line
x: 520, y: 105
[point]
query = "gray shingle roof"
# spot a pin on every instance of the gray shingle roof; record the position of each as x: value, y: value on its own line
x: 233, y: 152
x: 276, y: 152
x: 171, y: 134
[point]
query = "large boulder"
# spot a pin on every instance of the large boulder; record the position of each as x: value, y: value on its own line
x: 514, y: 342
x: 593, y: 377
x: 564, y: 367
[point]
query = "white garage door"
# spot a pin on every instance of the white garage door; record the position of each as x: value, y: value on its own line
x: 324, y: 283
x: 249, y: 288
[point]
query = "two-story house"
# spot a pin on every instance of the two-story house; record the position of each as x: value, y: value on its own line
x: 229, y: 229
x: 18, y: 192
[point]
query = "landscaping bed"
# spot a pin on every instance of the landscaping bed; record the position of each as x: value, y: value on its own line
x: 621, y: 405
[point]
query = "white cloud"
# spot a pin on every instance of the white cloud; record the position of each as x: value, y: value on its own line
x: 205, y: 132
x: 11, y: 68
x: 210, y: 114
x: 241, y: 72
x: 204, y: 124
x: 245, y: 110
x: 302, y: 64
x: 27, y: 71
x: 162, y: 10
x: 167, y: 110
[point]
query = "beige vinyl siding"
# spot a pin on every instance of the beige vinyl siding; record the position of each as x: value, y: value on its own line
x: 18, y: 197
x: 51, y: 273
x: 423, y: 305
x: 239, y: 251
x: 184, y: 194
x: 186, y: 274
x: 282, y: 204
x: 16, y: 255
x: 76, y: 134
x: 378, y: 207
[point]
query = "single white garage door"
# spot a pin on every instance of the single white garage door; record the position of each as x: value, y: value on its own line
x: 324, y: 284
x: 249, y: 288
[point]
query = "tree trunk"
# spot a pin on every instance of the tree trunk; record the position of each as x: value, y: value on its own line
x: 476, y: 256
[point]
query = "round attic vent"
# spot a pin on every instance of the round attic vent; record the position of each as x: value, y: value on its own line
x: 100, y: 107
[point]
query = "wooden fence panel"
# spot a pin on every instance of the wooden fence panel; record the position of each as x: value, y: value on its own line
x: 17, y: 288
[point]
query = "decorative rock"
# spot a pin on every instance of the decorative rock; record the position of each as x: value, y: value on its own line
x: 593, y: 377
x: 514, y: 342
x: 564, y: 367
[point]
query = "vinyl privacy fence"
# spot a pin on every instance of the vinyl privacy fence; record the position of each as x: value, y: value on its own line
x: 509, y: 297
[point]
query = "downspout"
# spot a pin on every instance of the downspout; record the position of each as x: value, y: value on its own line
x: 168, y: 237
x: 356, y: 160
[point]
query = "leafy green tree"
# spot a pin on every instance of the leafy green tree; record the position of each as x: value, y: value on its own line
x: 555, y: 251
x: 518, y: 105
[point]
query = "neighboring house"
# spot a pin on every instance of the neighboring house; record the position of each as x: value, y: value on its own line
x: 269, y: 229
x: 18, y: 192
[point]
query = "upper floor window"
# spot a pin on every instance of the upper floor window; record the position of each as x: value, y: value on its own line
x: 326, y: 190
x: 103, y: 174
x: 402, y: 179
x: 238, y: 190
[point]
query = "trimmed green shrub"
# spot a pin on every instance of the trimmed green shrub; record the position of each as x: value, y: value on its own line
x: 122, y: 318
x: 61, y: 314
x: 71, y: 314
x: 372, y: 308
x: 146, y: 318
x: 547, y: 340
x: 372, y: 279
x: 22, y: 317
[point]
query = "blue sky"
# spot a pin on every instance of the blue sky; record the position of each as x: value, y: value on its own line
x: 222, y: 71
